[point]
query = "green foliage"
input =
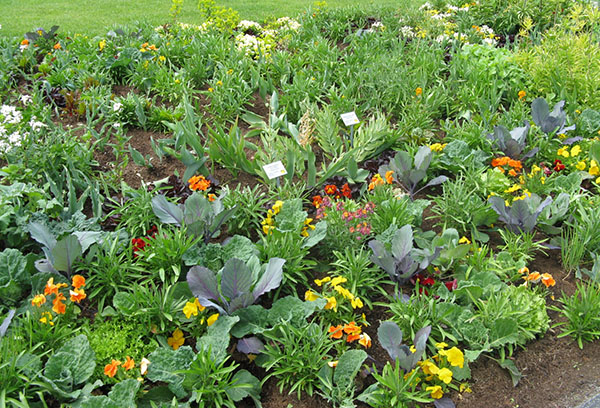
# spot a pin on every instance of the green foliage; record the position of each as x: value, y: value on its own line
x: 337, y: 385
x: 222, y: 18
x: 127, y: 338
x: 294, y: 355
x: 167, y: 365
x: 69, y: 368
x: 582, y: 311
x: 15, y: 276
x: 363, y: 279
x: 122, y: 394
x: 248, y: 202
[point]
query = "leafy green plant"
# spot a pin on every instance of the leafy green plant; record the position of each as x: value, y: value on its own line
x: 550, y: 122
x: 355, y: 265
x: 248, y: 202
x: 582, y: 311
x: 15, y: 276
x: 410, y: 172
x: 294, y: 355
x: 337, y: 384
x: 122, y: 394
x: 519, y: 216
x: 240, y: 284
x: 401, y: 261
x: 201, y: 217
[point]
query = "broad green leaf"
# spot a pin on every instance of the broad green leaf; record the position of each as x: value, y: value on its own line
x: 244, y: 385
x: 64, y: 252
x: 349, y: 365
x: 217, y: 338
x: 166, y: 211
x: 165, y: 364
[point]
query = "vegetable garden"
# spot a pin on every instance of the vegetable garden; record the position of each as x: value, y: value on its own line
x: 354, y: 207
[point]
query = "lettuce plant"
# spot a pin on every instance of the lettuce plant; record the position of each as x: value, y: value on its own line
x: 238, y: 284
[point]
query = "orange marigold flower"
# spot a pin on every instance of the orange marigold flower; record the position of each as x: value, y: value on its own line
x: 533, y: 276
x: 500, y: 161
x: 128, y: 364
x: 51, y: 288
x: 389, y: 176
x: 512, y: 172
x: 522, y: 94
x: 346, y: 191
x: 25, y: 42
x: 111, y: 369
x: 57, y: 305
x: 331, y: 189
x: 211, y: 197
x: 78, y: 281
x: 377, y: 180
x: 419, y: 91
x: 77, y: 295
x: 353, y: 331
x: 548, y: 280
x: 524, y: 270
x: 365, y: 340
x: 199, y: 183
x: 38, y: 300
x: 336, y: 332
x: 515, y: 164
x: 57, y: 46
x: 317, y: 201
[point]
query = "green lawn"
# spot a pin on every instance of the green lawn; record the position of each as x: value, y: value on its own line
x: 95, y: 17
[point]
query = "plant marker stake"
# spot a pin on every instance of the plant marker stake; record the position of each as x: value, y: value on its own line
x: 274, y: 171
x: 350, y: 119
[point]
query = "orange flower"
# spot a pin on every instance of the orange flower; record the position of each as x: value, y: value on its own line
x: 522, y: 94
x: 515, y: 164
x: 38, y: 300
x: 336, y: 332
x: 365, y: 340
x: 389, y: 177
x: 419, y: 91
x: 77, y: 295
x: 548, y: 280
x: 533, y: 276
x: 500, y: 161
x: 524, y: 270
x: 377, y: 180
x: 199, y: 183
x: 25, y: 42
x: 331, y: 189
x: 353, y: 331
x: 111, y: 369
x: 128, y: 364
x: 512, y: 172
x: 52, y: 288
x: 211, y: 197
x: 78, y: 281
x: 317, y: 201
x: 57, y: 305
x: 57, y: 46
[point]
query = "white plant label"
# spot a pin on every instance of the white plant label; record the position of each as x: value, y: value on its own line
x: 350, y: 118
x: 274, y: 170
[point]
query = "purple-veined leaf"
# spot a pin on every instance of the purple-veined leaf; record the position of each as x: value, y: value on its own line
x: 390, y: 338
x: 250, y: 345
x: 444, y: 402
x: 203, y: 283
x: 166, y: 211
x: 572, y: 140
x: 6, y: 322
x: 271, y: 279
x: 64, y: 253
x: 236, y: 278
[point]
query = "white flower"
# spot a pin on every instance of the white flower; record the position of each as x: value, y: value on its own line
x: 35, y: 124
x: 489, y: 41
x: 426, y: 6
x: 144, y: 365
x: 116, y: 125
x: 407, y: 31
x: 246, y: 25
x: 25, y: 99
x: 117, y: 107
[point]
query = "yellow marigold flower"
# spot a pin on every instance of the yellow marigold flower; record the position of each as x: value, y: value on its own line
x: 331, y: 303
x: 441, y: 346
x: 277, y: 207
x: 356, y: 303
x: 190, y: 309
x: 575, y: 150
x: 219, y: 83
x: 522, y: 94
x: 101, y: 44
x: 580, y: 166
x: 212, y: 319
x: 320, y: 282
x: 210, y: 90
x: 563, y: 151
x: 47, y: 318
x: 176, y: 340
x: 512, y: 189
x: 445, y: 375
x: 344, y: 292
x: 464, y: 387
x: 230, y: 71
x: 436, y: 391
x: 419, y: 91
x: 310, y: 296
x: 455, y: 357
x: 162, y: 58
x: 594, y: 169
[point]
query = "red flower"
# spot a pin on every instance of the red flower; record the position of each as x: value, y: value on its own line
x: 558, y: 166
x: 346, y: 191
x: 317, y: 201
x: 331, y: 189
x: 424, y: 281
x: 451, y: 285
x: 138, y: 244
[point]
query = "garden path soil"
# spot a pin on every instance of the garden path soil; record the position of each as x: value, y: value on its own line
x: 556, y: 373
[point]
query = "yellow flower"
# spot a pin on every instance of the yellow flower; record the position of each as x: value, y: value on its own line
x: 455, y: 357
x: 277, y: 207
x: 332, y: 364
x: 230, y: 71
x: 419, y: 91
x: 47, y: 318
x: 162, y: 58
x: 575, y: 150
x: 338, y: 280
x: 102, y: 44
x: 437, y: 147
x: 356, y: 303
x: 464, y: 240
x: 331, y: 303
x: 513, y: 189
x: 563, y: 151
x: 464, y: 387
x: 176, y: 340
x: 212, y: 319
x: 365, y: 340
x: 320, y: 282
x: 594, y: 169
x: 441, y: 346
x: 445, y: 375
x: 38, y: 300
x: 436, y: 391
x: 310, y: 296
x: 192, y: 308
x: 429, y: 367
x: 210, y: 89
x: 522, y: 94
x: 219, y: 83
x: 580, y: 166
